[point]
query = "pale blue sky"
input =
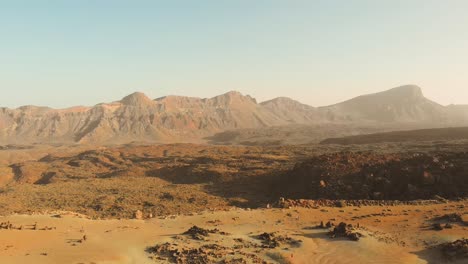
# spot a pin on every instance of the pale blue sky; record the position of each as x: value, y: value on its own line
x: 63, y: 53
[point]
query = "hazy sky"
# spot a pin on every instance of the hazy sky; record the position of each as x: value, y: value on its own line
x: 63, y: 53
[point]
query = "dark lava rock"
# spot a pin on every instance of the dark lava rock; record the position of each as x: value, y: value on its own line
x: 199, y: 233
x: 271, y: 240
x: 204, y: 254
x: 344, y: 230
x: 321, y: 225
x: 437, y: 227
x: 455, y: 250
x: 340, y: 203
x: 453, y: 218
x: 369, y: 175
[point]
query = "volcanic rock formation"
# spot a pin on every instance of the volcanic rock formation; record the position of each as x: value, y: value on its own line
x: 185, y: 119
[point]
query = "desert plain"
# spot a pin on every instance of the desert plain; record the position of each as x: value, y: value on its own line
x: 380, y: 178
x: 196, y: 203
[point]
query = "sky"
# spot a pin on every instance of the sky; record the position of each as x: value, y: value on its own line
x: 65, y: 53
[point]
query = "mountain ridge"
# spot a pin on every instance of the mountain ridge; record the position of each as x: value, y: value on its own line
x: 137, y: 93
x: 403, y: 103
x: 136, y: 117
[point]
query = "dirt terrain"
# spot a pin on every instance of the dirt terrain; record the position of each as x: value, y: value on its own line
x: 291, y: 134
x: 387, y: 234
x: 189, y: 203
x: 185, y: 178
x: 165, y: 179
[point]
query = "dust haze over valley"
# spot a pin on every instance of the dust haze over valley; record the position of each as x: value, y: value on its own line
x: 234, y: 132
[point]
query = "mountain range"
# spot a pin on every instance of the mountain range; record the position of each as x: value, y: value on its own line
x: 188, y: 119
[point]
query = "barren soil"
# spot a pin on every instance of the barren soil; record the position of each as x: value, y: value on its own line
x: 390, y: 234
x: 187, y: 203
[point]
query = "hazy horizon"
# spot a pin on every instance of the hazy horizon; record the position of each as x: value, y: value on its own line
x: 63, y: 54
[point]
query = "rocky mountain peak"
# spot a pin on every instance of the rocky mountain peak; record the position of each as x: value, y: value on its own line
x: 136, y: 99
x: 405, y: 91
x: 401, y: 104
x: 233, y: 94
x: 281, y: 101
x: 233, y: 97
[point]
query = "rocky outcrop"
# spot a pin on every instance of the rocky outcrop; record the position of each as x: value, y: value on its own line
x: 456, y: 250
x: 377, y: 176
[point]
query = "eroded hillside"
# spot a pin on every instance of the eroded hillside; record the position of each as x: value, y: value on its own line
x: 137, y: 118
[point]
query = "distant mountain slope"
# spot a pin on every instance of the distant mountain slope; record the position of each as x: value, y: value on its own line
x: 458, y: 113
x: 435, y: 134
x: 401, y: 104
x: 137, y: 118
x: 292, y: 111
x: 230, y: 110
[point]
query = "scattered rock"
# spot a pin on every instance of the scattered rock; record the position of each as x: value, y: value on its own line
x: 271, y: 240
x: 321, y: 225
x: 344, y: 230
x: 138, y: 215
x: 208, y: 253
x: 340, y: 203
x: 451, y: 218
x: 198, y: 233
x: 437, y: 227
